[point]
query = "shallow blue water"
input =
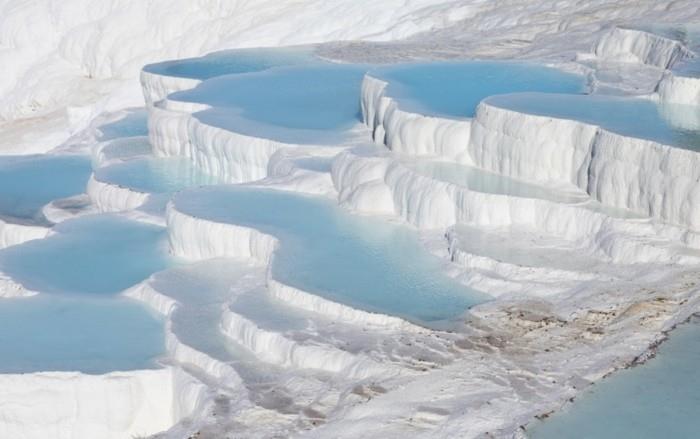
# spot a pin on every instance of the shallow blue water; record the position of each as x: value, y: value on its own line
x: 232, y: 61
x: 638, y: 118
x: 100, y: 254
x: 318, y: 164
x: 50, y: 333
x: 454, y: 89
x: 27, y: 183
x: 133, y: 123
x: 480, y: 180
x: 362, y: 262
x: 659, y: 399
x: 77, y: 323
x: 155, y: 175
x: 310, y: 104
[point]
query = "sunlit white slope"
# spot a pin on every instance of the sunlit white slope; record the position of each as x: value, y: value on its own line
x: 52, y: 49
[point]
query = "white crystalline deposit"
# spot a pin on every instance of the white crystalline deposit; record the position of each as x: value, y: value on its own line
x: 642, y: 175
x: 197, y: 239
x: 109, y: 197
x: 648, y: 177
x: 117, y: 405
x: 530, y: 147
x: 145, y: 292
x: 9, y: 288
x: 65, y: 62
x: 285, y: 173
x: 86, y: 59
x: 684, y: 90
x: 336, y: 311
x: 13, y: 234
x: 637, y: 46
x: 156, y: 87
x: 274, y: 347
x: 391, y: 188
x: 221, y: 153
x: 358, y: 177
x: 233, y: 157
x: 406, y: 132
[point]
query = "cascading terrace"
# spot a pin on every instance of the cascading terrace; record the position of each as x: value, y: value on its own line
x: 509, y: 240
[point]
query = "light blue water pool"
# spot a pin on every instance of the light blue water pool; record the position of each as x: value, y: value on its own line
x: 232, y: 61
x: 155, y: 175
x: 133, y: 123
x: 362, y: 262
x: 631, y: 117
x: 318, y: 164
x: 659, y: 399
x: 76, y: 324
x: 27, y: 183
x: 49, y: 333
x: 480, y: 180
x: 310, y: 104
x: 101, y: 254
x: 454, y: 89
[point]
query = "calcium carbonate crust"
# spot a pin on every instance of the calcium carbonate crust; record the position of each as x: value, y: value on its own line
x: 197, y: 239
x: 13, y: 234
x: 406, y: 132
x: 75, y: 406
x: 638, y: 46
x: 66, y: 405
x: 110, y: 197
x: 391, y: 188
x: 641, y: 175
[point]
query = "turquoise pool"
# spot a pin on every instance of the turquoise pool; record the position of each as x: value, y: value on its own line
x: 27, y: 183
x: 454, y: 89
x: 365, y: 263
x: 658, y: 399
x: 92, y: 255
x: 310, y: 104
x: 232, y: 61
x: 78, y: 322
x: 155, y: 175
x: 55, y: 333
x: 640, y: 118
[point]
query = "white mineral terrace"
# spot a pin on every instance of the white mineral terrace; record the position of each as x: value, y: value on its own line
x: 277, y: 245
